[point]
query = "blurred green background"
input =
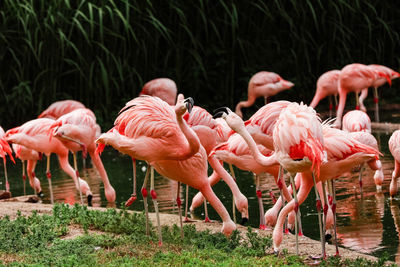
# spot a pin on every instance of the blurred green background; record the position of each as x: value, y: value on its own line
x: 102, y: 52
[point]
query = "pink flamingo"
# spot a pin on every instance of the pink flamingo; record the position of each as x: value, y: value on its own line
x: 353, y: 78
x: 153, y: 131
x: 356, y: 121
x: 394, y: 147
x: 163, y: 88
x: 5, y: 149
x: 263, y: 84
x: 34, y: 135
x: 31, y: 156
x: 78, y: 130
x: 327, y: 85
x: 59, y: 108
x: 378, y: 83
x: 211, y: 132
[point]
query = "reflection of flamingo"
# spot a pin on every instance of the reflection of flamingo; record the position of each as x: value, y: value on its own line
x: 264, y: 84
x: 163, y: 88
x: 153, y: 131
x: 327, y: 85
x: 59, y: 108
x: 378, y: 83
x: 34, y: 135
x: 78, y: 130
x: 394, y: 147
x: 354, y: 78
x: 5, y: 150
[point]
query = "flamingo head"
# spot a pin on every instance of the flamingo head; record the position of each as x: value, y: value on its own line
x: 183, y: 105
x: 286, y: 84
x: 232, y: 119
x: 386, y: 76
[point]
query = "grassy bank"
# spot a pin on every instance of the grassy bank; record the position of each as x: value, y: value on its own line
x: 117, y: 238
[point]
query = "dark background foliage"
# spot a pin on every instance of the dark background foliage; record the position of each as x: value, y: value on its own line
x: 102, y: 52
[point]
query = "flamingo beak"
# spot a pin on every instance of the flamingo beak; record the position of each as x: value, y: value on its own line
x: 219, y: 112
x: 189, y: 104
x: 244, y: 220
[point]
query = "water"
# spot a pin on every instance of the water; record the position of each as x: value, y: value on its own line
x: 369, y: 223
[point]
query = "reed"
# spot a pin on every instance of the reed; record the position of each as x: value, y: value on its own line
x: 102, y: 52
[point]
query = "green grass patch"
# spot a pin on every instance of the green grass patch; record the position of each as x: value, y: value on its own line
x: 40, y: 240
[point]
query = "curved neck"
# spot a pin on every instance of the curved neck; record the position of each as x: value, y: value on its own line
x: 191, y: 137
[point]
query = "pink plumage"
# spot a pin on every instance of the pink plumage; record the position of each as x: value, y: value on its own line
x: 356, y: 121
x: 60, y: 108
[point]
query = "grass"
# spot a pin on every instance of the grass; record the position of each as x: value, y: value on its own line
x: 39, y: 240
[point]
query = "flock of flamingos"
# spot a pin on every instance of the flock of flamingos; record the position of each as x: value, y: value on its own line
x: 179, y: 140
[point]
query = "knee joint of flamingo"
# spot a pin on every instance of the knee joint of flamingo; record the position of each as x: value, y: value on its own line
x: 280, y: 184
x: 77, y: 173
x: 153, y: 194
x: 296, y: 206
x: 272, y: 197
x: 259, y: 193
x: 330, y: 106
x: 48, y: 175
x: 144, y: 192
x: 319, y: 205
x: 24, y: 177
x: 334, y: 208
x: 325, y: 209
x: 130, y: 200
x: 330, y: 199
x: 376, y: 100
x: 361, y: 183
x: 357, y: 107
x: 33, y: 174
x: 178, y: 202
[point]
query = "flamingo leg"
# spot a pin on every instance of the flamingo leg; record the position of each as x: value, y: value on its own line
x: 155, y: 203
x: 78, y: 178
x: 334, y: 215
x: 187, y: 205
x: 133, y: 195
x: 325, y: 214
x: 24, y: 176
x: 179, y: 204
x: 318, y: 200
x: 280, y: 185
x: 233, y: 197
x: 206, y: 219
x: 6, y: 176
x: 330, y: 107
x: 260, y: 203
x: 144, y: 194
x: 48, y: 174
x: 357, y: 102
x: 376, y: 100
x: 296, y: 209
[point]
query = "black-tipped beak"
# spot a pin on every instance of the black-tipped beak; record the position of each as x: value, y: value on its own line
x: 244, y: 220
x: 218, y: 115
x: 189, y: 104
x: 220, y: 111
x: 89, y: 200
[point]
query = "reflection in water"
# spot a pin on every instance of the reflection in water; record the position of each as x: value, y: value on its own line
x: 370, y: 223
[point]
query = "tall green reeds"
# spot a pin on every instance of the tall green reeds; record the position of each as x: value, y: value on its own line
x: 102, y: 52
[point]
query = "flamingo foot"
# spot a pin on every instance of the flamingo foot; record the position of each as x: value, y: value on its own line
x: 262, y: 227
x: 187, y: 220
x: 130, y: 200
x: 160, y: 243
x: 40, y: 194
x: 207, y: 220
x: 286, y: 231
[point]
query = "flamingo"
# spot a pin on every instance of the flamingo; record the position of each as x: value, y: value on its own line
x: 31, y: 156
x: 34, y: 135
x: 163, y: 88
x: 77, y: 131
x: 59, y: 108
x: 263, y: 84
x: 5, y: 150
x: 353, y: 78
x: 377, y: 83
x: 327, y: 85
x: 153, y: 131
x: 356, y: 121
x: 212, y: 132
x: 394, y: 147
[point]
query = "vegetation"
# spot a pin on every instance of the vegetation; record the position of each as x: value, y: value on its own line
x: 40, y: 240
x: 102, y: 52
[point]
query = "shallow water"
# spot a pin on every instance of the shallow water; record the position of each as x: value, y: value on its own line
x: 369, y: 223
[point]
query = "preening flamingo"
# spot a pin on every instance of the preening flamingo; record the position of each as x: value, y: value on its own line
x: 5, y: 150
x: 356, y: 121
x: 78, y: 130
x: 353, y: 78
x: 378, y: 83
x: 151, y: 130
x: 327, y: 85
x: 263, y: 84
x: 34, y: 135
